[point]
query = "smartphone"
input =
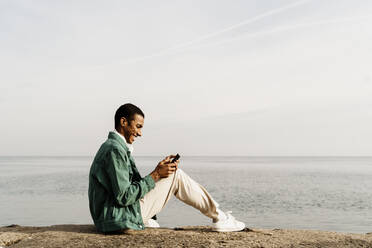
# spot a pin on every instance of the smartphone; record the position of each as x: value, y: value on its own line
x: 175, y: 158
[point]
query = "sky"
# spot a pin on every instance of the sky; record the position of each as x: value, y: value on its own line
x: 216, y: 78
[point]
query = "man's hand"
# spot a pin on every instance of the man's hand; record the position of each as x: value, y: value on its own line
x: 165, y: 168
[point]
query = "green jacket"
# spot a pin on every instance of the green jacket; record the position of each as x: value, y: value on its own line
x: 115, y: 187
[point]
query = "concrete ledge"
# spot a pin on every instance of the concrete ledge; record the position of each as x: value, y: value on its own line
x: 192, y: 236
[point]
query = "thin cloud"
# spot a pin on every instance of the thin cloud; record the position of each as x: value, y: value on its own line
x: 217, y: 33
x: 286, y: 28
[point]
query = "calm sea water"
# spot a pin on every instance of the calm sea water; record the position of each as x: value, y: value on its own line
x: 323, y: 193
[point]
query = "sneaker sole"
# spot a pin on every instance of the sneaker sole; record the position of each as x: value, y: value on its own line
x: 228, y: 229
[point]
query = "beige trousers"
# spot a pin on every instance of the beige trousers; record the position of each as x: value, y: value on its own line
x: 185, y: 189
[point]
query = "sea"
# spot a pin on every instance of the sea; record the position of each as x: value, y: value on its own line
x: 319, y: 193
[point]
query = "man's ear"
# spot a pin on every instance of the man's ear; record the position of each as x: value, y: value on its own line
x: 123, y: 122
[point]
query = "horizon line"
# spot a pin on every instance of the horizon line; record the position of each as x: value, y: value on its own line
x: 220, y: 156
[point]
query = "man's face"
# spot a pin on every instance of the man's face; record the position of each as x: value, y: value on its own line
x: 133, y: 128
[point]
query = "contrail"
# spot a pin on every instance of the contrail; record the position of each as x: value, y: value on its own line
x: 219, y: 32
x: 285, y: 28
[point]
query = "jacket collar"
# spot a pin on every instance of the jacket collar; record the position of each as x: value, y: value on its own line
x: 117, y: 137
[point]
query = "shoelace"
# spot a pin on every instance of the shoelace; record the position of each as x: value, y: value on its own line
x: 228, y: 213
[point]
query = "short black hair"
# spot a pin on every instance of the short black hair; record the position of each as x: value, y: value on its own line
x: 127, y: 111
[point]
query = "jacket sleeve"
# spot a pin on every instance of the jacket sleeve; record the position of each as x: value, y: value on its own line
x: 125, y: 192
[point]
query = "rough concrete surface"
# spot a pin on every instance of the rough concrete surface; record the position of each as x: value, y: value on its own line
x: 193, y: 236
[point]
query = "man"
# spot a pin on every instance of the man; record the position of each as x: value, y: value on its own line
x: 120, y: 199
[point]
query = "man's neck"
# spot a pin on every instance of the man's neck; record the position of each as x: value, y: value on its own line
x: 130, y: 146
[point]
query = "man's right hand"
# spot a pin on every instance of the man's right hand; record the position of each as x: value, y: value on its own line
x: 164, y: 168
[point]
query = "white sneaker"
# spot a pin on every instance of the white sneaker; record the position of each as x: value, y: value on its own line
x: 230, y: 224
x: 152, y: 223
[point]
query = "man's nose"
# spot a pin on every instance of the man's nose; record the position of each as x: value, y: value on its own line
x: 139, y: 133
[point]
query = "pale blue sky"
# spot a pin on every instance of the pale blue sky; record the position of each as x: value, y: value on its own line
x: 260, y: 77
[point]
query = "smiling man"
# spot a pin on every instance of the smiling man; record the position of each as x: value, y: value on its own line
x: 120, y: 199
